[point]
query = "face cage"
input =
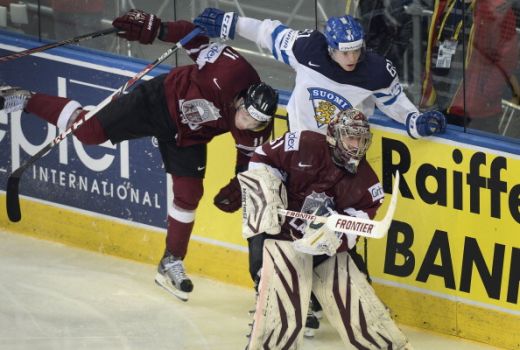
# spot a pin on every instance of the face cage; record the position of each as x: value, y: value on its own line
x: 344, y: 154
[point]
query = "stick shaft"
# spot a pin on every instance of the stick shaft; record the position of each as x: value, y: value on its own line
x: 45, y: 47
x: 351, y: 224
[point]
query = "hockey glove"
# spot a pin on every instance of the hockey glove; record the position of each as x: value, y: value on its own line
x: 217, y: 23
x: 137, y: 25
x: 425, y: 124
x: 263, y: 193
x: 318, y: 239
x: 229, y: 198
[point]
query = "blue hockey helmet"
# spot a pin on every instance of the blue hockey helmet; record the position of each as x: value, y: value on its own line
x: 344, y: 33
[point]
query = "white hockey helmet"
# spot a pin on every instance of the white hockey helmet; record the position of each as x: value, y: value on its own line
x: 349, y: 137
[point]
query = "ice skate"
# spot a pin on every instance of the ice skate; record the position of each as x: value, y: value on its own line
x: 316, y: 307
x: 172, y: 277
x: 13, y: 99
x: 311, y: 324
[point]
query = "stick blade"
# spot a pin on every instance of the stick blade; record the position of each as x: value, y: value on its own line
x: 13, y: 199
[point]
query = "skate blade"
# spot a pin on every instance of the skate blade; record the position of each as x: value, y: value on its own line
x: 309, y: 333
x: 164, y: 283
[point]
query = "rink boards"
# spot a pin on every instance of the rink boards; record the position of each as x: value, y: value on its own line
x: 450, y: 262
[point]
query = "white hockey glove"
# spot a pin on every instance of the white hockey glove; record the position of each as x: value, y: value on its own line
x: 263, y: 193
x: 318, y: 239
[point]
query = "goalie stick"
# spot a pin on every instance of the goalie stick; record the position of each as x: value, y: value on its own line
x: 12, y: 191
x: 77, y: 39
x: 351, y: 224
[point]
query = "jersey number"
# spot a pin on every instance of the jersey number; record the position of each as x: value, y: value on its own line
x: 390, y: 68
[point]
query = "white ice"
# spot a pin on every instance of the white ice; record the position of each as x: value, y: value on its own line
x: 56, y: 297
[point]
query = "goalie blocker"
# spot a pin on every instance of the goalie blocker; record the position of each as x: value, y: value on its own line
x: 263, y: 195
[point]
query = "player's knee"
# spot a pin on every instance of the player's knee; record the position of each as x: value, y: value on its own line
x: 187, y: 192
x: 91, y: 132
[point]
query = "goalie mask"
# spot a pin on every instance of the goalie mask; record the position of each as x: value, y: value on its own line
x: 349, y: 137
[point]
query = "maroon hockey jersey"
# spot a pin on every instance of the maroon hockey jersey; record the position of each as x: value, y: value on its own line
x: 200, y: 96
x: 311, y: 178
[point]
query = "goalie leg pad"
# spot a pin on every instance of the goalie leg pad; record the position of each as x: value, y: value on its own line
x: 283, y: 297
x: 352, y: 307
x: 262, y: 194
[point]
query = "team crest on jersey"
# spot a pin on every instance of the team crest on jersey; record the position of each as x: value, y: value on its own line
x: 312, y: 202
x: 315, y: 200
x: 198, y: 111
x: 326, y: 105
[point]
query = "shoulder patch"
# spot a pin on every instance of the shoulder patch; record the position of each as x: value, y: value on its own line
x: 288, y: 39
x: 377, y: 192
x: 210, y: 54
x: 292, y: 141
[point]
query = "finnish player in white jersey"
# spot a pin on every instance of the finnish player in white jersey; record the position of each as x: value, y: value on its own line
x: 333, y: 71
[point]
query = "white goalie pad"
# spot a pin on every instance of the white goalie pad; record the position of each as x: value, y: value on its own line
x: 353, y: 308
x: 263, y: 193
x: 283, y: 298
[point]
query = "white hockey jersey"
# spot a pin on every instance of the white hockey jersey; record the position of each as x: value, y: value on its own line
x: 322, y: 88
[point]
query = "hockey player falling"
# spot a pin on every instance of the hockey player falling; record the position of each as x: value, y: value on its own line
x: 333, y: 71
x: 321, y: 174
x: 184, y: 110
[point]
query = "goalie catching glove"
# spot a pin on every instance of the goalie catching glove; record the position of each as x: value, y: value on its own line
x: 263, y: 193
x: 318, y: 239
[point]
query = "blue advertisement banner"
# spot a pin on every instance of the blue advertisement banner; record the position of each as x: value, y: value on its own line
x: 125, y: 181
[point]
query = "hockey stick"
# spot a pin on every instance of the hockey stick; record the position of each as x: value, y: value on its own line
x: 12, y: 191
x: 77, y: 39
x: 353, y: 225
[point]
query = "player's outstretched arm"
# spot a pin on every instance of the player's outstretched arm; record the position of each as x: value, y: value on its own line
x: 425, y: 124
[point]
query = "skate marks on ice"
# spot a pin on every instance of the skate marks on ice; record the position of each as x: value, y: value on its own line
x: 56, y: 297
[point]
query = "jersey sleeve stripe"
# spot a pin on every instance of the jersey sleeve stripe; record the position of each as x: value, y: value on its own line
x: 277, y: 38
x: 391, y: 101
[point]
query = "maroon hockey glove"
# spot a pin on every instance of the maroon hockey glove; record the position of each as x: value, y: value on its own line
x: 229, y: 198
x: 138, y: 25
